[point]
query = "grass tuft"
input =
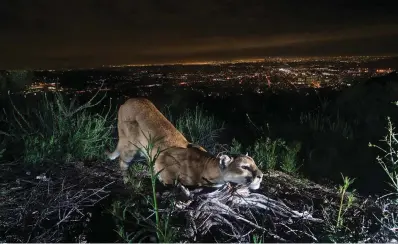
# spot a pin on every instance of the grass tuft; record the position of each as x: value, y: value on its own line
x: 123, y: 212
x: 266, y: 152
x: 289, y: 162
x: 236, y: 147
x: 271, y: 154
x: 389, y: 162
x: 57, y: 131
x: 317, y: 121
x: 350, y: 199
x: 198, y: 127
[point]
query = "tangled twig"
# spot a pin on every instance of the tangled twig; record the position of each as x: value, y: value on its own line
x: 232, y: 207
x: 48, y: 205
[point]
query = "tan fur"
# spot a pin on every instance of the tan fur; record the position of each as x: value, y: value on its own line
x: 179, y: 159
x: 194, y: 167
x: 137, y: 116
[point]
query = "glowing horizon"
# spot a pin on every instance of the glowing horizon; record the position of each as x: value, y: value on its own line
x: 249, y: 60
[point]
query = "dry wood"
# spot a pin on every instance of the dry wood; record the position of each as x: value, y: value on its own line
x: 233, y: 207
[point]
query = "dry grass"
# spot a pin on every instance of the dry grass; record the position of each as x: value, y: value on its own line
x: 44, y: 206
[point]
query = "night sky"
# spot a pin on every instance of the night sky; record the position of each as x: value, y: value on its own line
x: 70, y: 33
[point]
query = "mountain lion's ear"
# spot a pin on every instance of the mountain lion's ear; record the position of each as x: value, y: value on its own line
x: 225, y: 160
x: 247, y: 154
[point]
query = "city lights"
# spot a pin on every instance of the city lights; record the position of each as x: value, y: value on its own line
x: 223, y: 78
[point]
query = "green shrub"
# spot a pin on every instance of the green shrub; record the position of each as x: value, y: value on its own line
x: 350, y: 199
x: 200, y: 128
x: 272, y: 154
x: 257, y: 238
x: 236, y: 147
x: 324, y: 123
x: 289, y: 159
x: 389, y: 161
x: 267, y: 152
x: 55, y: 131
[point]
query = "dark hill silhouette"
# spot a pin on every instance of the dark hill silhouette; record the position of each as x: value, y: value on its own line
x: 391, y: 62
x: 370, y: 102
x: 367, y: 105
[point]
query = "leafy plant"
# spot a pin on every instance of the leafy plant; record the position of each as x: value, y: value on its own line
x: 165, y: 233
x: 236, y: 147
x: 54, y: 131
x: 389, y: 162
x: 350, y: 199
x: 267, y: 152
x: 257, y: 238
x: 289, y: 159
x: 200, y: 128
x: 318, y: 121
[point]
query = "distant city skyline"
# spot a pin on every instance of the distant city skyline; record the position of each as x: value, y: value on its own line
x: 217, y: 79
x: 247, y: 60
x: 92, y: 33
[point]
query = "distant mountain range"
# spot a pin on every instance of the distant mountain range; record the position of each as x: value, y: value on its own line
x: 391, y: 62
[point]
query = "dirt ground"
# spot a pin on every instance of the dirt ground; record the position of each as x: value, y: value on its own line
x: 71, y: 202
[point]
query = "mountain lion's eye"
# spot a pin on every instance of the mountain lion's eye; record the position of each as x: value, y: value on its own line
x: 245, y: 167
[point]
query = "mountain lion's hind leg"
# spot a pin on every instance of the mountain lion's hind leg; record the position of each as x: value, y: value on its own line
x: 125, y: 160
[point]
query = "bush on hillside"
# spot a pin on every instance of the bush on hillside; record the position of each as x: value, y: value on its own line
x: 198, y: 127
x: 56, y: 130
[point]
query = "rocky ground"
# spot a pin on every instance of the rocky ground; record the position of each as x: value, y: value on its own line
x: 72, y: 203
